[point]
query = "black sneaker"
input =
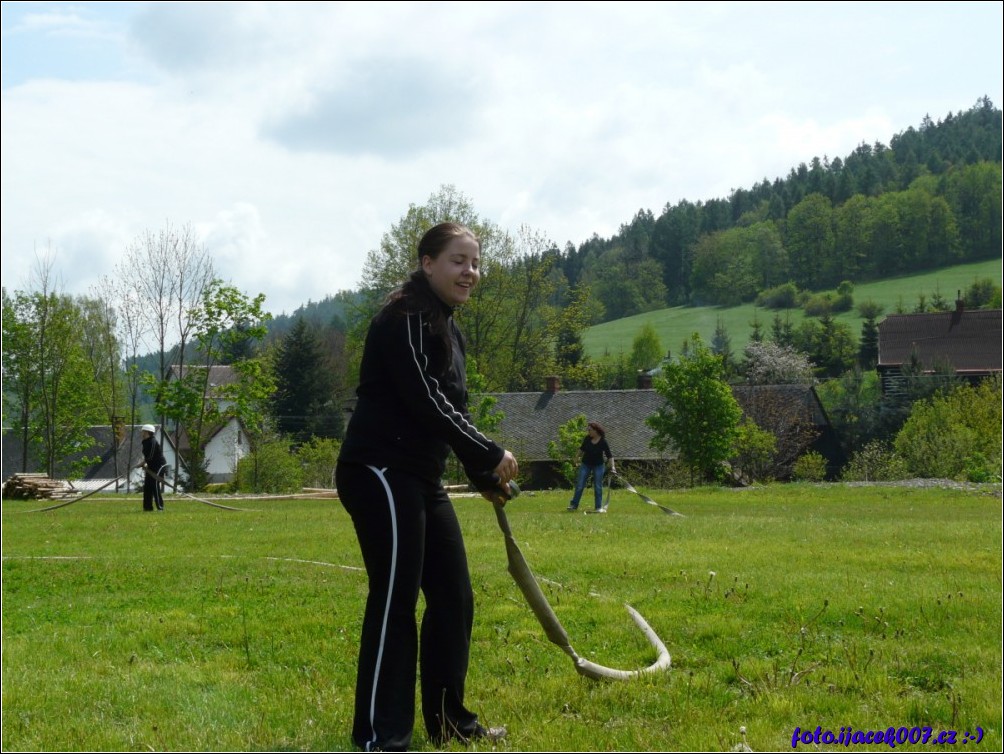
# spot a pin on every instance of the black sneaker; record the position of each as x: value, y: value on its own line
x: 480, y: 733
x: 495, y: 733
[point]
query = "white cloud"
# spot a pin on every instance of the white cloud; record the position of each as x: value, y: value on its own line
x: 394, y: 108
x: 60, y: 24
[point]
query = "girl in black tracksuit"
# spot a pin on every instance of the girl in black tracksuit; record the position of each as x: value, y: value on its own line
x: 411, y: 409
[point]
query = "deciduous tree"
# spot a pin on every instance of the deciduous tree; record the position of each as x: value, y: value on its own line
x: 565, y: 448
x: 700, y: 417
x: 169, y: 272
x: 46, y: 374
x: 646, y: 349
x: 225, y: 317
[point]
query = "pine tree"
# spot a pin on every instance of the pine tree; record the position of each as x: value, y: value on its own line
x: 868, y: 346
x: 868, y: 350
x: 721, y: 345
x: 304, y: 403
x: 756, y: 330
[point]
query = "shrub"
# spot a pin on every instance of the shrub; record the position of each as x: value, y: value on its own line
x: 565, y: 449
x: 810, y: 467
x: 317, y: 459
x: 665, y: 475
x: 843, y: 302
x: 819, y: 304
x: 754, y: 451
x: 875, y: 462
x: 953, y: 434
x: 979, y: 469
x: 828, y: 303
x: 780, y: 297
x: 270, y: 468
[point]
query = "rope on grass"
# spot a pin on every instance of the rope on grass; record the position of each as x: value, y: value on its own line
x: 326, y: 495
x: 174, y: 487
x: 74, y: 500
x: 316, y: 562
x: 318, y: 495
x: 644, y: 497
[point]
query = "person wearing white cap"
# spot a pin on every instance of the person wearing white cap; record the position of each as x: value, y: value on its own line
x: 154, y: 467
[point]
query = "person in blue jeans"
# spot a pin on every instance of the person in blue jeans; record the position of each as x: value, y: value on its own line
x: 592, y: 456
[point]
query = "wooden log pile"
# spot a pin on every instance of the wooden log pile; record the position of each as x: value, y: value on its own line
x: 37, y: 487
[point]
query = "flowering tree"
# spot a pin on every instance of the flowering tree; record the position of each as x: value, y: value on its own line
x: 770, y: 363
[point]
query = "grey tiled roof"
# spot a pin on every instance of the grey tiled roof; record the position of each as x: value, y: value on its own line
x: 969, y: 339
x: 531, y: 420
x: 219, y: 374
x: 129, y: 453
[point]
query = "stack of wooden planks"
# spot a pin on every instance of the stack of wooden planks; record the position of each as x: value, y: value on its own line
x: 37, y: 487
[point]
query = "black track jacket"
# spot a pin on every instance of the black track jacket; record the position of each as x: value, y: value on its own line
x: 412, y: 405
x: 153, y: 455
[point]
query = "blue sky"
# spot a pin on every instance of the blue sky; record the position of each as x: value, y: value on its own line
x: 291, y: 136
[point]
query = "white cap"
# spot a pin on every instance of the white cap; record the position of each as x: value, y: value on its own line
x: 148, y: 428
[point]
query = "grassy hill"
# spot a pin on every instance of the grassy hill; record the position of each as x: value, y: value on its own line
x: 676, y: 324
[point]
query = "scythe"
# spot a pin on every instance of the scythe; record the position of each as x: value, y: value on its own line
x: 524, y: 578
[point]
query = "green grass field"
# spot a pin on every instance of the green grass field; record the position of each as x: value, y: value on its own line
x: 675, y: 325
x: 785, y: 606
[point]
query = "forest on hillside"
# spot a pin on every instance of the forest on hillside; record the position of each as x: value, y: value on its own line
x: 930, y: 198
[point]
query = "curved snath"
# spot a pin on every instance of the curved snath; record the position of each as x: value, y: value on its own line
x: 523, y: 576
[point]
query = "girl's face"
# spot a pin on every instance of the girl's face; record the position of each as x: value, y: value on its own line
x: 454, y: 273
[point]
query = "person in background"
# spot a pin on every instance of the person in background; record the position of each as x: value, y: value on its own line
x: 411, y: 411
x: 592, y: 455
x: 154, y: 467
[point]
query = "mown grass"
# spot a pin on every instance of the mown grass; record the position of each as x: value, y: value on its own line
x: 201, y: 629
x: 675, y: 325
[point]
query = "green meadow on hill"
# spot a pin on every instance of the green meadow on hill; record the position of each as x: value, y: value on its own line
x: 676, y: 324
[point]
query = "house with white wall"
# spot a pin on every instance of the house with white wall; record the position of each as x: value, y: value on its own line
x: 226, y: 443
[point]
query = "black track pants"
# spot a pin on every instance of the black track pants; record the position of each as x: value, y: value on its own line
x: 410, y: 539
x: 152, y: 494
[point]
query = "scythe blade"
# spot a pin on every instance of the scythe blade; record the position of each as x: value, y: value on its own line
x: 519, y: 569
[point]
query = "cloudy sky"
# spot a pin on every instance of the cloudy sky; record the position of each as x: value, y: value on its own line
x: 291, y: 136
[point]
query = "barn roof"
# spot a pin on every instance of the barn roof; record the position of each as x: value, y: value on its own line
x: 103, y: 446
x: 969, y: 339
x: 531, y: 420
